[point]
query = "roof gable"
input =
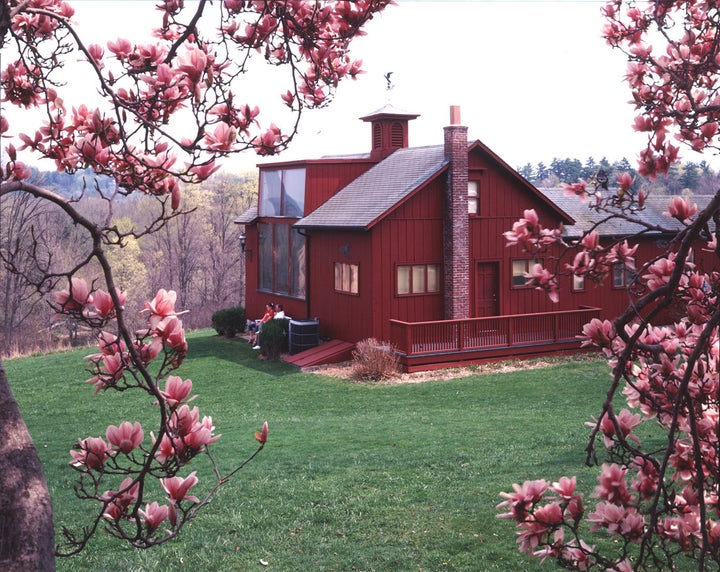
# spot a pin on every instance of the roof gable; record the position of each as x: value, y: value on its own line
x: 564, y: 214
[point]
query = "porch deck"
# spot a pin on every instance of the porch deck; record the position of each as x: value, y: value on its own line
x: 446, y: 343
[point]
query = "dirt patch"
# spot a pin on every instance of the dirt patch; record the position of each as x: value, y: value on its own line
x: 344, y: 370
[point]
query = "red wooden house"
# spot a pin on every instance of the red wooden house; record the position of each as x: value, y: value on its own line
x: 404, y: 244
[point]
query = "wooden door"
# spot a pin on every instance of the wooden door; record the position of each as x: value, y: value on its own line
x: 486, y: 289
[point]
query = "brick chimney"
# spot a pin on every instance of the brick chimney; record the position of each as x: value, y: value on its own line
x: 456, y: 235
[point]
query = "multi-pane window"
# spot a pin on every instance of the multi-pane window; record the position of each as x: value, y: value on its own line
x: 282, y: 193
x: 623, y: 273
x: 346, y: 277
x: 473, y: 196
x: 281, y: 255
x: 522, y: 267
x: 418, y: 278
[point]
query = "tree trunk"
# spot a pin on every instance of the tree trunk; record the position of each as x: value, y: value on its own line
x: 27, y: 536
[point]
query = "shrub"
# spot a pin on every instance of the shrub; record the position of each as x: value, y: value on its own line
x: 229, y: 321
x: 273, y: 338
x: 374, y: 361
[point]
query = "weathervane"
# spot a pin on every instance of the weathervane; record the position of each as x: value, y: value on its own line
x: 390, y: 84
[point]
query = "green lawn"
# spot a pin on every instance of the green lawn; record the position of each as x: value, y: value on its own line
x: 354, y: 476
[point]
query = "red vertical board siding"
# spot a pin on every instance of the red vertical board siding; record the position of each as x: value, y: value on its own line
x: 324, y: 179
x: 342, y: 316
x: 411, y: 234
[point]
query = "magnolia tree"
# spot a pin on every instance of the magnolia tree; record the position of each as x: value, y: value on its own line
x: 152, y: 115
x: 653, y: 506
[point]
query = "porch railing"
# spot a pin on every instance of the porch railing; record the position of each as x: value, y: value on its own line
x: 423, y: 338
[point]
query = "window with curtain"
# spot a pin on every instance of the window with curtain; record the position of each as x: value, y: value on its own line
x: 347, y: 278
x: 418, y: 279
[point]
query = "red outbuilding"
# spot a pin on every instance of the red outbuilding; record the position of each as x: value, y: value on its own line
x: 405, y: 244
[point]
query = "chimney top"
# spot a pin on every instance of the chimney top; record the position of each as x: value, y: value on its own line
x: 455, y: 115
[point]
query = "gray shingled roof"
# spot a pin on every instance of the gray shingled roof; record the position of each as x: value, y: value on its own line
x: 586, y: 217
x: 379, y: 189
x: 248, y: 216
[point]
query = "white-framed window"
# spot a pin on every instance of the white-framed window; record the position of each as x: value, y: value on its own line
x: 418, y: 279
x: 473, y: 197
x: 578, y: 282
x: 623, y: 273
x: 520, y: 267
x: 346, y: 278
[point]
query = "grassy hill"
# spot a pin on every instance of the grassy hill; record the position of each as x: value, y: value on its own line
x: 354, y: 476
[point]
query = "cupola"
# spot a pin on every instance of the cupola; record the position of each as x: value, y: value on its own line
x: 389, y: 130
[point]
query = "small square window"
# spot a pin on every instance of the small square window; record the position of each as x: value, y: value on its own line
x: 578, y: 282
x: 346, y: 278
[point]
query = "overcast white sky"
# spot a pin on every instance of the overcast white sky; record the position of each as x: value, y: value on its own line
x: 534, y: 78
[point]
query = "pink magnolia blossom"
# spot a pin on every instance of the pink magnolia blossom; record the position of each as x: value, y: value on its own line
x: 111, y: 370
x: 177, y: 390
x: 681, y: 209
x: 177, y: 488
x: 262, y: 435
x: 620, y: 520
x: 117, y: 502
x: 625, y: 181
x: 543, y: 279
x: 103, y: 302
x: 153, y: 515
x: 126, y: 437
x: 565, y: 487
x: 162, y: 306
x: 170, y: 330
x: 269, y: 141
x: 204, y: 170
x: 74, y: 298
x: 91, y: 454
x: 626, y: 420
x: 121, y: 48
x: 659, y: 272
x: 613, y: 487
x: 525, y: 497
x: 110, y: 344
x: 223, y: 138
x: 148, y: 352
x: 577, y: 189
x: 168, y: 448
x: 598, y: 333
x: 201, y: 435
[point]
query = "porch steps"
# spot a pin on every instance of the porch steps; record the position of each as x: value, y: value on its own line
x: 332, y: 351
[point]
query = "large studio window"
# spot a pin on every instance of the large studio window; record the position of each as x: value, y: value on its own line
x: 418, y: 279
x: 520, y: 268
x: 346, y: 278
x: 282, y: 193
x: 281, y: 259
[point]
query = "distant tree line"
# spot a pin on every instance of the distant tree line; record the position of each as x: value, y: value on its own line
x: 693, y: 177
x: 198, y: 256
